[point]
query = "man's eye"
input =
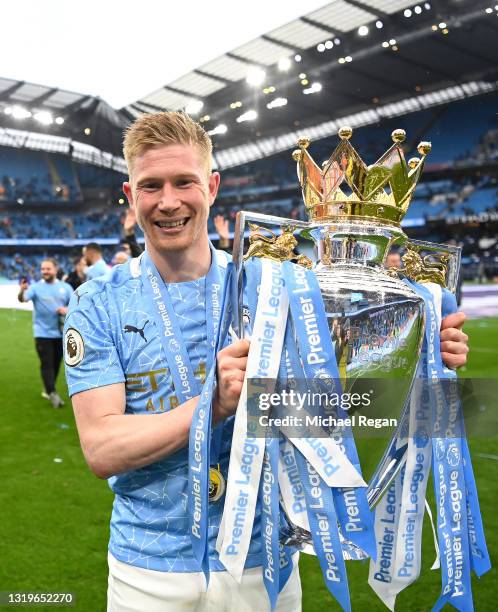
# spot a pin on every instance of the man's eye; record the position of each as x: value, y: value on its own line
x: 184, y: 182
x: 150, y: 187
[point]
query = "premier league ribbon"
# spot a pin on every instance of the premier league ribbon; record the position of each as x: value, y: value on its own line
x: 435, y: 412
x: 200, y: 445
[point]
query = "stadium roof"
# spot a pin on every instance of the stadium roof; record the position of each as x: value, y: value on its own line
x: 347, y: 58
x: 354, y: 55
x: 56, y: 112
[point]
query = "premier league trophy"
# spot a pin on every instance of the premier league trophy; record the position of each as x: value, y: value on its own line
x: 349, y: 318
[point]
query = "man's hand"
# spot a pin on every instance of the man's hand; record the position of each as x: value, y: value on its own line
x: 23, y: 285
x: 222, y: 227
x: 454, y: 346
x: 231, y: 368
x: 62, y: 310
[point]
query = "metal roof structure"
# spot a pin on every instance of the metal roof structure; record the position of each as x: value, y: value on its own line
x: 348, y: 58
x: 56, y: 112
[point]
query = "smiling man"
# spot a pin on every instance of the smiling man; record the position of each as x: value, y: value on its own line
x: 50, y: 298
x: 137, y: 346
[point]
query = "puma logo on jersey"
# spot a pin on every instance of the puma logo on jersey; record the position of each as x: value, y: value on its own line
x: 136, y: 330
x: 79, y: 295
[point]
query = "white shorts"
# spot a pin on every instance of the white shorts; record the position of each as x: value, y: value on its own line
x: 134, y: 589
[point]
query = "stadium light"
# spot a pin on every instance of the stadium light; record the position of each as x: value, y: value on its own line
x: 329, y: 44
x: 379, y: 25
x: 418, y: 9
x: 363, y: 30
x: 59, y: 120
x: 320, y: 48
x: 219, y: 129
x: 297, y: 57
x: 337, y: 41
x: 407, y: 13
x: 442, y: 25
x: 315, y: 88
x: 427, y: 6
x: 284, y: 64
x: 250, y: 115
x: 43, y: 117
x: 18, y: 112
x: 7, y: 110
x: 392, y: 41
x: 385, y: 44
x: 489, y: 10
x: 277, y: 103
x: 255, y: 76
x: 193, y: 107
x: 348, y: 58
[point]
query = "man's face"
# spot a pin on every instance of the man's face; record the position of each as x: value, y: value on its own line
x: 87, y: 256
x: 171, y: 191
x: 393, y: 260
x: 48, y: 271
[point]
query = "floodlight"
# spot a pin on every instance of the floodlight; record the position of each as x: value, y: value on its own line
x: 320, y: 48
x: 363, y: 30
x: 219, y: 129
x: 315, y: 88
x: 329, y: 44
x: 59, y: 120
x: 278, y: 102
x: 255, y: 76
x: 193, y: 107
x: 379, y: 25
x: 44, y: 117
x: 20, y: 113
x: 250, y: 115
x: 284, y: 64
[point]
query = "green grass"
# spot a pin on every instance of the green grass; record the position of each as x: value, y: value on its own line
x: 54, y: 523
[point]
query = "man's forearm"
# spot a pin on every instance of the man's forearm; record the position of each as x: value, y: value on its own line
x: 20, y: 295
x: 124, y: 442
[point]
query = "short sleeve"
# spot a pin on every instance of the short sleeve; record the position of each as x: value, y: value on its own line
x: 30, y: 293
x: 90, y: 354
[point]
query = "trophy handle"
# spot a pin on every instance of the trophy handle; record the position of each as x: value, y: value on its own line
x: 431, y: 262
x: 278, y: 248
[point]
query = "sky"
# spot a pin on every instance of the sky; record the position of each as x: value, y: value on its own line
x: 122, y: 50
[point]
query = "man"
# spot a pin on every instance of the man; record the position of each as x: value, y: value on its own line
x: 123, y: 351
x: 50, y: 298
x: 77, y: 275
x: 94, y: 260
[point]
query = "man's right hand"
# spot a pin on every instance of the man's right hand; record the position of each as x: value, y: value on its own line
x: 23, y: 285
x: 231, y: 369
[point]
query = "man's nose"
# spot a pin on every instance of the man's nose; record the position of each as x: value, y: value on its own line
x: 169, y: 198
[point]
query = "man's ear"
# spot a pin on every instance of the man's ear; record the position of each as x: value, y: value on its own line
x: 129, y: 194
x: 214, y: 184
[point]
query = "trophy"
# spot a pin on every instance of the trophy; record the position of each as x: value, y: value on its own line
x: 375, y: 318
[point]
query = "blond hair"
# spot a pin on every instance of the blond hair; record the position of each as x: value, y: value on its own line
x: 164, y: 128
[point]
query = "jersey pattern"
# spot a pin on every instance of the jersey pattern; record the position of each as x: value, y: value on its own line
x: 149, y: 524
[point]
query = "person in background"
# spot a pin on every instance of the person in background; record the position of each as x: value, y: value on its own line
x: 77, y: 275
x: 120, y: 257
x: 50, y: 298
x: 393, y: 260
x: 94, y: 260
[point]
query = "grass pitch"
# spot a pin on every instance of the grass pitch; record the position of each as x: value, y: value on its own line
x: 54, y: 523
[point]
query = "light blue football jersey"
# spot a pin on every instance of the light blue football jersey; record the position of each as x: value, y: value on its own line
x: 47, y: 298
x: 111, y: 337
x: 99, y: 268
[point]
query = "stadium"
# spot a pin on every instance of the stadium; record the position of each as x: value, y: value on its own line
x: 429, y: 68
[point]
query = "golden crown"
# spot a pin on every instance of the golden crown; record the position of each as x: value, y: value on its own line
x: 380, y: 192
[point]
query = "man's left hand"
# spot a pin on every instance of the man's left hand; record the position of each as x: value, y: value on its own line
x: 454, y: 347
